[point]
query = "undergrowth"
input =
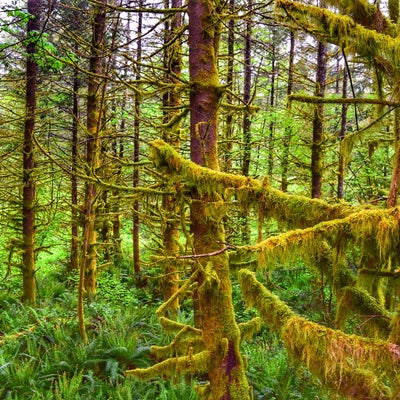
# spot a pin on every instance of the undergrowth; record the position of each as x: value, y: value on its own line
x: 42, y: 356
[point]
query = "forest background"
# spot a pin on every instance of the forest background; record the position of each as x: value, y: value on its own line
x: 169, y: 171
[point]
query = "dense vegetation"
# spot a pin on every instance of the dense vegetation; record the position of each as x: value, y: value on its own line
x: 199, y: 200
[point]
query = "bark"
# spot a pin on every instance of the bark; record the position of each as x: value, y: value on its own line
x: 318, y: 134
x: 214, y: 307
x: 29, y: 187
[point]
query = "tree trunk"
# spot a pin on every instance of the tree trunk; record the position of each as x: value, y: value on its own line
x: 172, y: 108
x: 136, y: 152
x: 94, y: 112
x: 246, y: 125
x: 288, y: 130
x: 394, y: 184
x: 74, y: 256
x: 214, y: 295
x: 247, y: 95
x: 318, y: 134
x: 29, y: 187
x: 342, y: 135
x: 272, y: 104
x: 229, y: 127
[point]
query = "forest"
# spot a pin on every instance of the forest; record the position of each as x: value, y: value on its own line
x: 198, y: 199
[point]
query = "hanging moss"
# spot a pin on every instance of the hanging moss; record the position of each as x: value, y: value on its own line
x: 250, y: 328
x: 359, y: 301
x: 290, y: 209
x: 356, y: 367
x: 272, y: 310
x: 378, y: 227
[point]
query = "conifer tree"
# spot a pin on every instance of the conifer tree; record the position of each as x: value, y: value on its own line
x: 29, y: 186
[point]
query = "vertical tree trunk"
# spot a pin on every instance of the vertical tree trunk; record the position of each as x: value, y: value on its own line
x: 247, y: 95
x: 229, y: 128
x: 94, y: 112
x: 318, y: 134
x: 272, y: 103
x: 214, y: 295
x: 29, y: 187
x: 136, y: 152
x: 74, y: 259
x: 394, y: 184
x: 288, y: 130
x: 172, y: 107
x: 342, y: 135
x: 246, y: 125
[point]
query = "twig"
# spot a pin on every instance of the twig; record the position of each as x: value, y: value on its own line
x: 214, y: 253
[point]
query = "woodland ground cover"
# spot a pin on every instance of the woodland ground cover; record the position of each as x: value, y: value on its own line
x: 42, y: 356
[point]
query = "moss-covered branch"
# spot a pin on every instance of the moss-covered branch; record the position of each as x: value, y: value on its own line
x: 190, y: 364
x: 291, y: 209
x: 359, y: 301
x: 362, y: 228
x: 341, y: 30
x: 340, y: 100
x: 349, y: 364
x: 272, y: 310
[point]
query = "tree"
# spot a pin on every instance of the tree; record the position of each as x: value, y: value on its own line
x: 95, y: 102
x: 216, y: 335
x: 29, y: 187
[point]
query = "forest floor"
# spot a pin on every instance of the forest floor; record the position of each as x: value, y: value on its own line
x: 43, y: 357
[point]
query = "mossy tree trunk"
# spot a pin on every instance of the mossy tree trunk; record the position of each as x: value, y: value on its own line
x: 394, y: 184
x: 342, y: 135
x: 74, y: 259
x: 214, y: 308
x: 29, y: 187
x: 136, y: 150
x: 93, y: 125
x: 172, y: 106
x: 229, y: 122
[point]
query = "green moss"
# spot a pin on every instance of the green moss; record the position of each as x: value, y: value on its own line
x: 188, y: 365
x: 359, y: 301
x: 272, y: 310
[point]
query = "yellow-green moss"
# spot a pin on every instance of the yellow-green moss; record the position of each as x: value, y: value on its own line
x: 358, y: 301
x: 188, y: 365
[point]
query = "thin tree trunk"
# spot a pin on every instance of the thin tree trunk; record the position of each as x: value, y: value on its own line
x: 246, y: 125
x: 342, y: 135
x: 247, y: 95
x: 229, y: 128
x: 214, y: 309
x: 74, y: 256
x: 394, y: 184
x: 29, y: 187
x: 272, y: 104
x: 172, y: 106
x: 94, y: 112
x: 136, y: 152
x: 318, y: 133
x: 288, y: 130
